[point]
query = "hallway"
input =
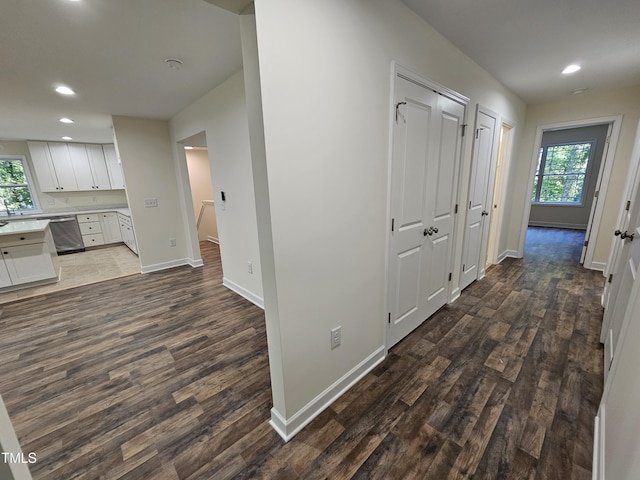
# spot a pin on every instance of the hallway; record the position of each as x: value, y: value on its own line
x: 171, y: 381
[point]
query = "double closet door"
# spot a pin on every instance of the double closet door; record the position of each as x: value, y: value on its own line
x: 427, y: 142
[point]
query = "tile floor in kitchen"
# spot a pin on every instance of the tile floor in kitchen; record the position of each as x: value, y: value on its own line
x: 83, y: 268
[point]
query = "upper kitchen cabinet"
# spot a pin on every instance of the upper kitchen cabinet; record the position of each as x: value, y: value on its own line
x: 89, y: 167
x: 113, y: 166
x: 63, y: 167
x: 43, y: 166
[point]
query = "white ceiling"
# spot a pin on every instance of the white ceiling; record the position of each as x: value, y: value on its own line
x: 526, y: 43
x: 112, y: 53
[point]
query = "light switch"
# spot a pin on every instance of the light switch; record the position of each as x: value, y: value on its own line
x: 150, y: 202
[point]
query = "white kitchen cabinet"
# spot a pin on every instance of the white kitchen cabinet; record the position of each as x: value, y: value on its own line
x: 27, y: 254
x: 110, y: 227
x: 99, y: 170
x: 28, y: 263
x: 128, y: 235
x: 43, y: 166
x: 63, y: 166
x: 89, y: 166
x: 90, y: 229
x: 5, y: 279
x: 114, y: 167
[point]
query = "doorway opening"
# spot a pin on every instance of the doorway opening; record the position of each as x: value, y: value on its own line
x: 570, y: 171
x: 200, y: 192
x: 494, y: 253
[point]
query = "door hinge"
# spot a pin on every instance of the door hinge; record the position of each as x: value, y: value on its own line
x: 586, y: 243
x: 449, y: 276
x: 393, y: 220
x: 463, y: 266
x: 477, y: 133
x: 597, y: 193
x: 455, y: 210
x: 469, y: 204
x: 389, y: 321
x: 628, y: 205
x: 464, y: 129
x: 610, y: 278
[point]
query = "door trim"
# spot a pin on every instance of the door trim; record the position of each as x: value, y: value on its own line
x: 604, y: 176
x: 399, y: 70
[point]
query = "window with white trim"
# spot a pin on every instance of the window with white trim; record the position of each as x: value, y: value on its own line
x: 562, y: 170
x: 16, y: 192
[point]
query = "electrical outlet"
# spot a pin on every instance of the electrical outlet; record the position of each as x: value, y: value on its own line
x: 336, y: 337
x: 172, y: 242
x: 150, y: 202
x: 249, y: 267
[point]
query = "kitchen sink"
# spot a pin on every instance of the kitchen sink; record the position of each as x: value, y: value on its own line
x: 2, y: 224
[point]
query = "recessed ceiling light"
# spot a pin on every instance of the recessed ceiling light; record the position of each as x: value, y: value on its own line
x: 67, y: 138
x: 66, y: 120
x: 571, y: 69
x: 578, y: 91
x: 64, y: 90
x: 187, y: 147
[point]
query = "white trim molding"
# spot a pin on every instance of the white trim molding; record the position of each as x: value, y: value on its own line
x: 243, y: 292
x: 615, y: 122
x: 166, y: 265
x: 287, y: 428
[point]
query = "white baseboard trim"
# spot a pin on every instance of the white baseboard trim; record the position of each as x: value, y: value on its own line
x: 570, y: 226
x: 600, y: 266
x: 213, y: 239
x: 165, y: 265
x: 511, y: 254
x: 288, y: 428
x: 196, y: 263
x: 455, y: 294
x: 597, y: 454
x: 243, y: 292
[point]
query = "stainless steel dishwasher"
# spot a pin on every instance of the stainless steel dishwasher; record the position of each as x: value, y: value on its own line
x: 66, y: 234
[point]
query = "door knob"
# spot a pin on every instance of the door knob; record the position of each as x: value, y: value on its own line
x: 485, y: 213
x: 628, y: 235
x: 430, y: 231
x: 617, y: 233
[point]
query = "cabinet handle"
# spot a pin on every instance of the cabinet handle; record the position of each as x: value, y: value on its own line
x: 21, y: 238
x: 6, y: 253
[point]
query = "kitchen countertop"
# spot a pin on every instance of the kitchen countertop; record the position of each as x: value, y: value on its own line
x: 18, y: 218
x: 24, y: 226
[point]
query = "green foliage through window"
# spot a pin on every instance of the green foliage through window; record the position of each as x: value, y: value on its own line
x: 14, y: 187
x: 561, y: 173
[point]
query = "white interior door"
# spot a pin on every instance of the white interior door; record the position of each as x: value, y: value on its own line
x: 628, y: 262
x: 618, y: 424
x: 624, y: 218
x: 425, y: 160
x: 480, y: 195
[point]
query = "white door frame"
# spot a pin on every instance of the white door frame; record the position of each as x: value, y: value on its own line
x: 505, y: 151
x: 397, y: 69
x: 603, y: 177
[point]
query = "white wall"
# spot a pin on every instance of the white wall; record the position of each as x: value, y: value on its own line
x: 202, y: 189
x: 221, y: 113
x: 147, y: 161
x: 325, y: 69
x: 574, y: 108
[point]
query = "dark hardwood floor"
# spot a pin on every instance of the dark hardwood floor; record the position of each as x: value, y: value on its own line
x: 165, y: 376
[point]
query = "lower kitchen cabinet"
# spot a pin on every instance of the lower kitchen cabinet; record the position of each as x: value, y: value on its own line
x: 28, y: 263
x: 110, y: 227
x: 128, y: 236
x: 27, y: 255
